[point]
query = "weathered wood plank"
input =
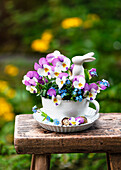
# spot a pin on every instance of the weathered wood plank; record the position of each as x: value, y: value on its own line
x: 40, y: 162
x: 115, y: 161
x: 104, y: 136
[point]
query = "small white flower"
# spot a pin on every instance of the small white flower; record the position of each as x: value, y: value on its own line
x: 57, y: 53
x: 31, y: 89
x: 56, y: 99
x: 79, y: 83
x: 64, y: 65
x: 56, y: 72
x: 72, y: 121
x: 34, y: 78
x: 45, y: 71
x: 92, y: 94
x: 60, y: 82
x: 25, y: 79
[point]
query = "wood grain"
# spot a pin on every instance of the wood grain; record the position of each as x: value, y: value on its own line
x: 40, y: 162
x: 115, y: 161
x: 103, y: 136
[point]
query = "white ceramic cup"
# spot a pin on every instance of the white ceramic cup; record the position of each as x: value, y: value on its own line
x: 68, y: 108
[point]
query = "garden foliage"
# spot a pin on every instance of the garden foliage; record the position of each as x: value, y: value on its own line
x: 36, y: 28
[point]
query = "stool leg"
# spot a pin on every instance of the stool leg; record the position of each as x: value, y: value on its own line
x: 108, y: 161
x: 114, y: 161
x: 40, y: 162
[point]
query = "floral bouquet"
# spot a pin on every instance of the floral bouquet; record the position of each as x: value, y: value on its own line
x: 57, y: 79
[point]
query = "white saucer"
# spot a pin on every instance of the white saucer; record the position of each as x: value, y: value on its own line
x: 65, y: 129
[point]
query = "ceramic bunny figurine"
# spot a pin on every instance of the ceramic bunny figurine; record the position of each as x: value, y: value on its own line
x: 78, y: 64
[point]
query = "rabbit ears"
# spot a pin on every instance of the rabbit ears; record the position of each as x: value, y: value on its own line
x: 79, y: 60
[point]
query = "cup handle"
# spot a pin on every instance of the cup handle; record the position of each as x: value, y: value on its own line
x: 96, y: 105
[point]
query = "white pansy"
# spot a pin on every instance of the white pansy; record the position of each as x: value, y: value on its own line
x: 56, y: 100
x: 45, y: 71
x: 64, y: 65
x: 57, y: 53
x: 92, y: 94
x: 60, y: 81
x: 79, y: 84
x: 25, y: 79
x: 31, y: 89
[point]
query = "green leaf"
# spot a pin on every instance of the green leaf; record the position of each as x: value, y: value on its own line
x: 86, y: 75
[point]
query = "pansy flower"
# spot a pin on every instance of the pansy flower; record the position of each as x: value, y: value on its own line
x: 55, y: 71
x: 61, y: 79
x: 42, y: 62
x: 79, y: 82
x: 92, y: 72
x: 51, y: 92
x: 53, y: 55
x: 79, y: 120
x: 31, y: 89
x: 56, y: 100
x: 62, y: 62
x: 31, y: 78
x: 90, y: 91
x: 72, y: 121
x: 45, y: 71
x: 103, y: 84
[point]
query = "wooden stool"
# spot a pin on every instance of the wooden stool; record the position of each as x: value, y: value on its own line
x: 104, y: 136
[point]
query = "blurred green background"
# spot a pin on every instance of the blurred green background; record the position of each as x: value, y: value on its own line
x: 31, y: 29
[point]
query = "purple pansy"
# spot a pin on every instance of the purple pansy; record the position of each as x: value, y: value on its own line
x: 31, y: 78
x: 51, y: 92
x: 53, y: 55
x: 63, y: 75
x: 92, y: 89
x: 103, y: 84
x: 72, y: 66
x: 93, y: 72
x: 42, y: 61
x: 59, y: 59
x: 79, y: 119
x: 32, y: 74
x: 88, y: 87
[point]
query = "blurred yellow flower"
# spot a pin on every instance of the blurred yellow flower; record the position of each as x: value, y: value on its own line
x: 93, y: 17
x: 3, y: 86
x: 8, y: 116
x: 10, y: 138
x: 11, y: 93
x: 40, y: 45
x: 47, y: 36
x: 87, y: 24
x: 11, y: 70
x: 71, y: 22
x: 6, y: 110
